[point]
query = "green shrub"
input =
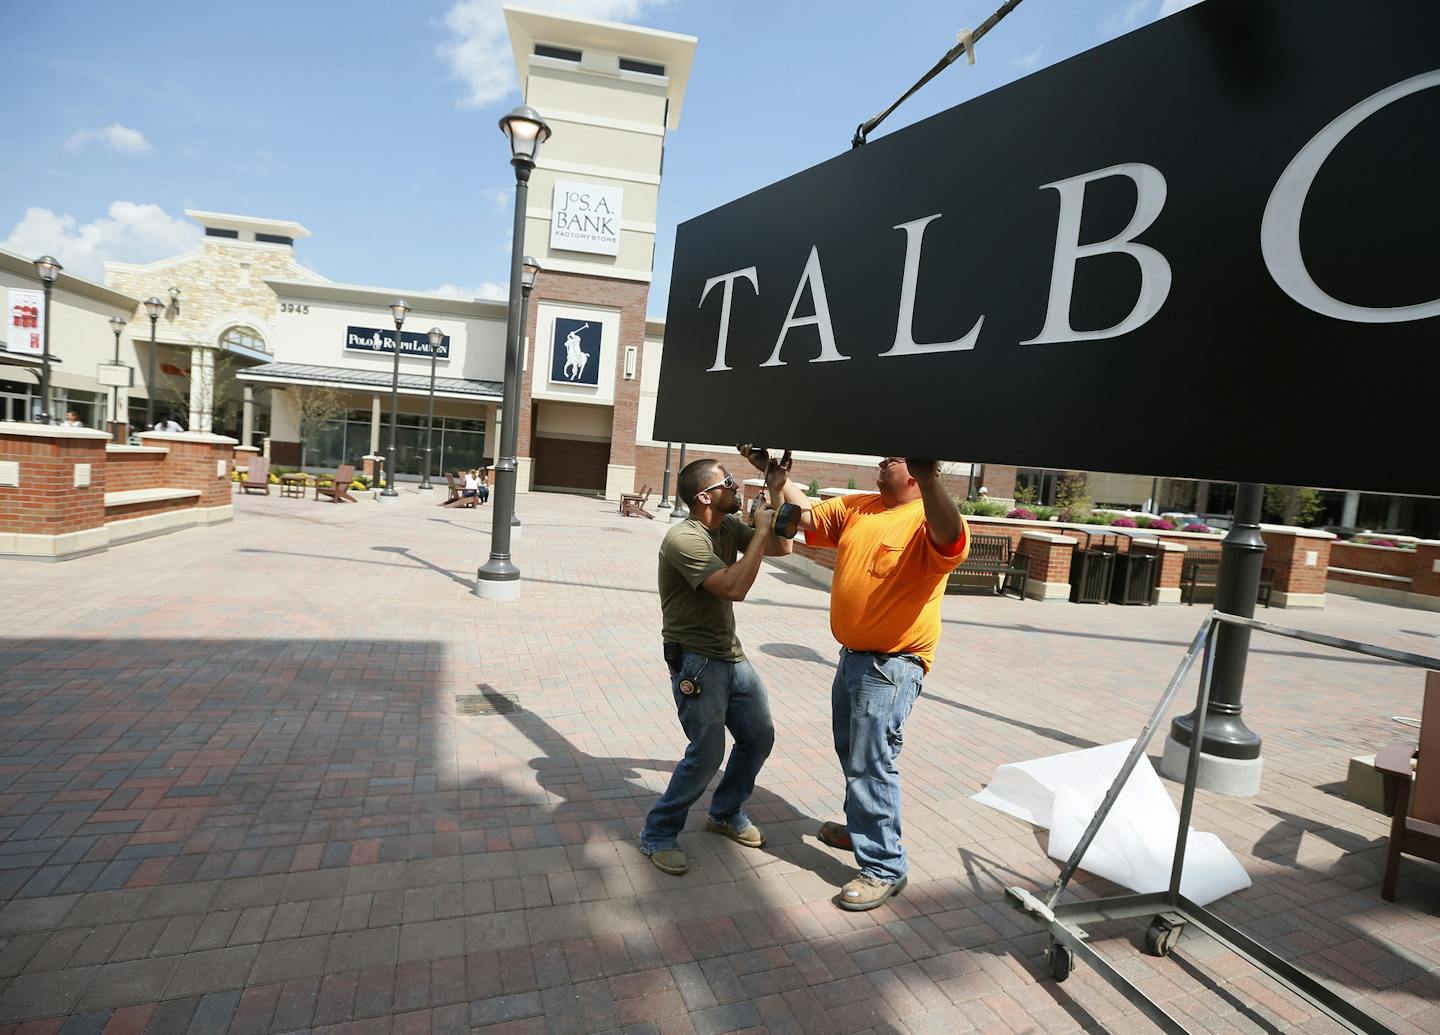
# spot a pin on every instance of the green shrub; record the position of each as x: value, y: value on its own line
x: 852, y: 484
x: 358, y: 484
x: 1102, y: 517
x: 1026, y: 497
x: 1046, y: 513
x: 814, y: 486
x: 983, y: 508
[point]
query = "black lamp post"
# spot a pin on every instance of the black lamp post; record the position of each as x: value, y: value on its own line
x: 117, y: 325
x: 529, y: 271
x: 664, y: 503
x: 680, y: 511
x: 1234, y: 749
x: 153, y: 308
x: 436, y: 337
x: 49, y: 269
x: 499, y: 578
x: 398, y: 309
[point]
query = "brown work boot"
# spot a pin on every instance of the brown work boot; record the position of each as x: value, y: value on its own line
x: 670, y: 860
x: 750, y: 837
x: 867, y: 892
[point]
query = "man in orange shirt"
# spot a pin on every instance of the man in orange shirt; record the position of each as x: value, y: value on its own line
x: 894, y: 551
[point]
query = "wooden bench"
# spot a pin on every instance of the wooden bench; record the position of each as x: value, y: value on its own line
x: 990, y: 555
x: 1412, y: 791
x: 1204, y: 572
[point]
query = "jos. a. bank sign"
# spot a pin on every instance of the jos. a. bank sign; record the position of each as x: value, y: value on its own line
x: 1207, y: 249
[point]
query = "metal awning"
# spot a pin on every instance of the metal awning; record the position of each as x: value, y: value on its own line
x: 359, y: 380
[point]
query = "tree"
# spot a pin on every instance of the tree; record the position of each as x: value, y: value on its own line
x: 1072, y: 496
x: 316, y: 406
x: 1291, y: 505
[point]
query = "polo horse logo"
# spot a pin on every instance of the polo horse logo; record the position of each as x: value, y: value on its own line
x: 575, y: 356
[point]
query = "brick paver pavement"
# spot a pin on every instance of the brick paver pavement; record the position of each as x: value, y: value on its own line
x: 290, y: 774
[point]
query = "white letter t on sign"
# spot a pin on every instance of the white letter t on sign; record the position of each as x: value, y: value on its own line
x: 729, y: 281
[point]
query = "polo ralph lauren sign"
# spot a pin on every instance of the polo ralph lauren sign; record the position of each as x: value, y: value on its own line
x: 1206, y: 249
x: 412, y: 343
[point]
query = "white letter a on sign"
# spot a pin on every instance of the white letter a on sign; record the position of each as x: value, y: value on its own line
x: 820, y: 321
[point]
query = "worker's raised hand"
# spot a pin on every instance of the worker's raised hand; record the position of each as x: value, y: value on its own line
x: 758, y: 456
x: 922, y: 471
x: 777, y: 472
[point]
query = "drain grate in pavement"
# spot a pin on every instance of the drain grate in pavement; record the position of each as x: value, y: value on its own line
x: 488, y: 701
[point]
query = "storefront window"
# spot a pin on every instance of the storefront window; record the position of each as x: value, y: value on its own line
x: 456, y: 445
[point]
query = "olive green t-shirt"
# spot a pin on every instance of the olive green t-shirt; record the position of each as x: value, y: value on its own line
x: 692, y: 616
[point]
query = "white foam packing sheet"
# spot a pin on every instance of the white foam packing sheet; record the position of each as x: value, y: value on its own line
x: 1136, y: 844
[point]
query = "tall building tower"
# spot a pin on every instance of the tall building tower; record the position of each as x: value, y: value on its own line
x: 610, y: 93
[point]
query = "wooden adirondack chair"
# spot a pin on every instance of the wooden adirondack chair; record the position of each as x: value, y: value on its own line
x: 257, y: 476
x: 632, y: 503
x: 457, y: 498
x: 1412, y: 795
x: 337, y: 488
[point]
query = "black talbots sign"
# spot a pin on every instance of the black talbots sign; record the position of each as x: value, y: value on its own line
x: 375, y: 339
x: 1206, y: 249
x: 575, y: 353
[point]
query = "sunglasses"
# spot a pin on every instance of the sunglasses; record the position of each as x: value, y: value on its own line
x: 728, y: 483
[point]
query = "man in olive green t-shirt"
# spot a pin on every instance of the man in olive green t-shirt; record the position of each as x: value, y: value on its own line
x: 702, y: 574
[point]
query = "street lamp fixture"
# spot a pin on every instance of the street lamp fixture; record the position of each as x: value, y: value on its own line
x: 117, y: 325
x: 175, y: 300
x: 153, y: 308
x: 437, y: 338
x: 499, y: 578
x: 398, y: 309
x: 49, y: 269
x: 529, y: 272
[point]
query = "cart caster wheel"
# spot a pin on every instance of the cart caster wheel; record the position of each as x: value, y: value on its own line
x: 1161, y: 936
x: 1060, y: 960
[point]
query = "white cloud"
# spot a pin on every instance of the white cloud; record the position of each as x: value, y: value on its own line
x: 488, y: 289
x: 129, y: 232
x: 1127, y: 17
x: 116, y: 137
x: 479, y: 51
x: 500, y: 197
x: 1169, y: 7
x: 1030, y: 60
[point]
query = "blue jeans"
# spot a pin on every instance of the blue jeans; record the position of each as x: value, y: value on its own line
x: 731, y: 697
x: 869, y: 702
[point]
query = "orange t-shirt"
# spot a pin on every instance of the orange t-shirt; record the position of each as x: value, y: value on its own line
x: 889, y: 575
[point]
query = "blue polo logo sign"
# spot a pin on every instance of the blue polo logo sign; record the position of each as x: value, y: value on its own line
x: 412, y: 343
x: 575, y: 353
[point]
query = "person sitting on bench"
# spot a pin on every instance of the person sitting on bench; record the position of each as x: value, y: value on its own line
x: 475, y: 487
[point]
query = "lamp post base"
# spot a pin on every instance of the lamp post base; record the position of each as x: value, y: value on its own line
x: 497, y: 581
x: 1237, y: 777
x: 388, y: 496
x: 679, y: 513
x: 424, y: 487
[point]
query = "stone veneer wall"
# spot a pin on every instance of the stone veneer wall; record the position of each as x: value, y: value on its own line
x: 213, y: 287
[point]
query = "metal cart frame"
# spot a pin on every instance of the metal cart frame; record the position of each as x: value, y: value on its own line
x: 1171, y: 911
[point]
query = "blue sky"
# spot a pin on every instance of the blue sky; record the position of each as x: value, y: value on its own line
x: 374, y: 124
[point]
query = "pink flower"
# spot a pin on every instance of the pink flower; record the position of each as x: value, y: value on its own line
x: 1124, y: 522
x: 1021, y: 514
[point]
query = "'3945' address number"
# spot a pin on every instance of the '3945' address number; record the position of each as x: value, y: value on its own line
x: 291, y: 307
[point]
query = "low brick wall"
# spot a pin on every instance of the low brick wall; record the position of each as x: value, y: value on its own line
x: 1406, y: 577
x: 54, y: 483
x: 41, y: 497
x: 133, y: 467
x: 196, y: 461
x: 1298, y: 556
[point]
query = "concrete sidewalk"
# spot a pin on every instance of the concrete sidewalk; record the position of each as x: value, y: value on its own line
x: 291, y: 774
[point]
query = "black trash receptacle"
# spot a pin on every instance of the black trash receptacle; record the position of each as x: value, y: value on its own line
x: 1134, y: 579
x: 1091, y: 570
